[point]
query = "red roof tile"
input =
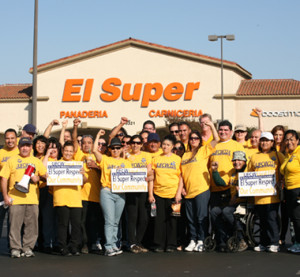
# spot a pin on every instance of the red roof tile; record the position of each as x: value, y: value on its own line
x: 15, y: 91
x: 136, y: 42
x: 269, y: 87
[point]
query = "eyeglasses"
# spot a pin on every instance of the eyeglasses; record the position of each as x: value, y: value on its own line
x: 174, y: 132
x: 102, y: 143
x: 120, y: 135
x: 115, y: 148
x: 194, y: 138
x: 136, y: 142
x: 178, y: 148
x: 125, y: 142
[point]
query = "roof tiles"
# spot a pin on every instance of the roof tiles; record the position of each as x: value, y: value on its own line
x: 15, y: 91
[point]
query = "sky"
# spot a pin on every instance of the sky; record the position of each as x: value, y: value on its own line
x: 267, y: 33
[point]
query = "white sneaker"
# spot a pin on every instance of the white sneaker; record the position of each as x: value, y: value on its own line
x: 191, y: 246
x: 28, y: 254
x: 273, y: 248
x: 199, y: 246
x: 295, y: 248
x: 259, y: 248
x: 15, y: 253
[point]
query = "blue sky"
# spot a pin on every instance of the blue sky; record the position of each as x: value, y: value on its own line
x: 267, y: 32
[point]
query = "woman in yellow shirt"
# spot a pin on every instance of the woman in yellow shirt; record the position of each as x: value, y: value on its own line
x: 195, y: 175
x: 112, y: 203
x: 291, y: 170
x: 165, y: 190
x: 267, y: 206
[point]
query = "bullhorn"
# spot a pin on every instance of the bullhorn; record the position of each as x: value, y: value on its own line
x: 23, y: 185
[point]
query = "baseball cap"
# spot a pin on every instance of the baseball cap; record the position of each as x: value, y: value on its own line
x: 29, y: 128
x: 239, y: 155
x: 153, y: 136
x: 24, y: 141
x: 267, y: 135
x: 240, y: 127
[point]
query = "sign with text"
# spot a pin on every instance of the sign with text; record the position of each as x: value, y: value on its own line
x: 259, y: 183
x: 63, y: 173
x: 129, y: 180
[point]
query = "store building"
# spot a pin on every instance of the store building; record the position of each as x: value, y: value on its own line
x: 143, y: 81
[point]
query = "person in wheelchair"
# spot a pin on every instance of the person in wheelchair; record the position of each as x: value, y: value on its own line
x: 225, y: 222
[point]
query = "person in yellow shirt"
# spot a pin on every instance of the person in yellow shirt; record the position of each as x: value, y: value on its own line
x: 184, y: 132
x: 165, y: 190
x: 136, y: 202
x: 291, y: 171
x: 206, y: 133
x: 267, y: 206
x: 68, y: 205
x: 10, y: 149
x: 23, y: 207
x: 240, y: 135
x: 254, y: 142
x: 196, y: 180
x: 153, y: 145
x: 112, y: 203
x: 220, y: 195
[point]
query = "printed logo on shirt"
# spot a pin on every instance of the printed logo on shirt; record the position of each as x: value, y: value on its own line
x: 223, y: 152
x: 265, y: 164
x: 273, y: 158
x: 22, y: 166
x: 143, y: 160
x: 166, y: 165
x: 187, y: 161
x: 138, y: 165
x: 4, y: 159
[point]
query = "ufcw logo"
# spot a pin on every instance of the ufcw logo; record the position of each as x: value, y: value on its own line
x: 254, y: 113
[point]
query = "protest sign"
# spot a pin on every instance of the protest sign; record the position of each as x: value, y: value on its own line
x: 129, y: 180
x: 63, y: 173
x: 258, y: 183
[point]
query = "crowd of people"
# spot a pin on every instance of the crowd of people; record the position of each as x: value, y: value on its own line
x: 193, y: 188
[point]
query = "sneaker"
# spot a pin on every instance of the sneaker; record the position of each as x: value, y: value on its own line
x: 117, y: 251
x: 84, y: 249
x: 15, y: 253
x: 134, y: 249
x: 242, y: 246
x: 191, y: 246
x: 65, y: 252
x: 199, y: 246
x: 142, y: 249
x: 158, y: 250
x: 98, y: 246
x: 28, y: 253
x: 260, y: 248
x: 273, y: 248
x: 295, y: 248
x: 110, y: 253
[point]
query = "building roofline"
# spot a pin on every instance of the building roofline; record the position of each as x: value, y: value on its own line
x: 146, y: 45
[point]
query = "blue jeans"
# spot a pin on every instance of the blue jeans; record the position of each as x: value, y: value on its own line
x: 197, y: 215
x: 112, y: 206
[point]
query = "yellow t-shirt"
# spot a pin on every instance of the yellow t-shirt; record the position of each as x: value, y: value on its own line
x: 167, y: 172
x: 265, y: 162
x: 158, y: 153
x: 195, y: 173
x: 90, y: 190
x: 291, y: 169
x: 249, y: 152
x: 14, y: 170
x: 69, y: 196
x: 205, y: 142
x: 108, y: 163
x: 140, y: 160
x: 223, y: 155
x: 5, y: 154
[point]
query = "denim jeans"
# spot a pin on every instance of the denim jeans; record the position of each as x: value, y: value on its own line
x: 112, y: 206
x: 197, y: 214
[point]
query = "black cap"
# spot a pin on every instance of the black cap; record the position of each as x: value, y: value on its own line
x: 115, y: 142
x: 153, y: 137
x: 29, y: 128
x: 24, y: 141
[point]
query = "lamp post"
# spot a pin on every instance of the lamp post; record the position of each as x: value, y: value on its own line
x: 215, y: 38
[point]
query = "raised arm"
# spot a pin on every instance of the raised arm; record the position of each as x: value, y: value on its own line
x: 49, y: 128
x: 62, y: 133
x: 76, y: 123
x: 260, y: 120
x: 96, y: 152
x: 216, y: 138
x: 115, y: 131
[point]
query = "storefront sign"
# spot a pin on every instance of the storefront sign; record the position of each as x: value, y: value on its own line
x: 129, y: 180
x: 64, y: 173
x: 276, y: 113
x: 260, y: 183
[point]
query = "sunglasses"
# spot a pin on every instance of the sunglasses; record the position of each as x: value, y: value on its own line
x: 194, y: 138
x: 120, y: 135
x: 136, y: 142
x: 125, y: 142
x: 102, y: 143
x: 174, y: 132
x: 178, y: 148
x: 115, y: 148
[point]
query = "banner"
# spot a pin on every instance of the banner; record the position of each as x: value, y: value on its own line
x: 259, y: 183
x: 129, y: 180
x: 64, y: 173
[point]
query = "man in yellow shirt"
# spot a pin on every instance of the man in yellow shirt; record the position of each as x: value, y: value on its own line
x: 10, y: 149
x: 184, y: 132
x: 220, y: 195
x: 23, y: 207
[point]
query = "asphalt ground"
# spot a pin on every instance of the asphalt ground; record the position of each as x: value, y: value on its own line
x: 248, y: 263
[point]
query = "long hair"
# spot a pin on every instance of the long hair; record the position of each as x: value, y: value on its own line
x: 195, y: 151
